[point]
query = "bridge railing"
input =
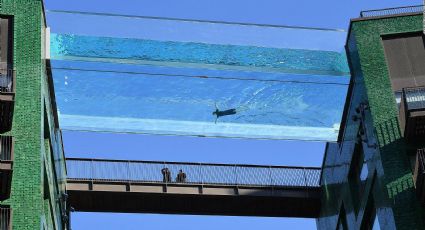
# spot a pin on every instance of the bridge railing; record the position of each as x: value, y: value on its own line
x: 197, y: 173
x: 392, y: 11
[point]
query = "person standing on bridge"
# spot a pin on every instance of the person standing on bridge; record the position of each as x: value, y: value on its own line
x: 181, y: 177
x: 166, y: 175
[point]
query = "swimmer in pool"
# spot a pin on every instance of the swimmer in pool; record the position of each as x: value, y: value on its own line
x: 223, y: 113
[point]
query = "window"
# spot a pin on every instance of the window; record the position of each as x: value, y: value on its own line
x: 342, y: 219
x: 358, y: 173
x: 370, y: 219
x: 6, y: 48
x: 6, y: 45
x: 398, y: 98
x: 376, y: 225
x: 46, y: 190
x: 405, y: 54
x: 345, y: 116
x: 46, y: 123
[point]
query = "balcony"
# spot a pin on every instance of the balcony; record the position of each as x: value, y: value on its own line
x: 7, y: 97
x: 419, y: 175
x: 6, y: 165
x: 5, y: 218
x: 412, y: 113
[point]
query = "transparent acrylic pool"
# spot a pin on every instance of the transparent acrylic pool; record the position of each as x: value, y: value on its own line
x: 168, y: 77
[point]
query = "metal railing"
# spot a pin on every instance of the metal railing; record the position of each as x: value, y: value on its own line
x: 392, y: 11
x: 5, y: 217
x: 196, y: 173
x: 414, y: 98
x: 6, y: 148
x: 7, y: 80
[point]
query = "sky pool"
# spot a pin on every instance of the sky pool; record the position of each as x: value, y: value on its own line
x: 167, y: 77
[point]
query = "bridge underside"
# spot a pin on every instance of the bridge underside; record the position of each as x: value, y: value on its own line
x: 193, y: 199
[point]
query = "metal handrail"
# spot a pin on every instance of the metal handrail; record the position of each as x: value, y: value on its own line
x: 7, y: 81
x: 187, y: 163
x: 197, y: 173
x: 6, y: 148
x: 414, y: 98
x: 392, y: 11
x: 5, y: 218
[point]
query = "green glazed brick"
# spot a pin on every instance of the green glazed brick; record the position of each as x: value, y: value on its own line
x: 33, y: 203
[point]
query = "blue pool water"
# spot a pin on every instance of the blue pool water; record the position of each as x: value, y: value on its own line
x: 141, y: 51
x: 182, y: 105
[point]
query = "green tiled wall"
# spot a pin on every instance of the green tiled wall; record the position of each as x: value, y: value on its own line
x: 30, y: 209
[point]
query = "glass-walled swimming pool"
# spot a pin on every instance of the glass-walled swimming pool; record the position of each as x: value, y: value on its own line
x: 168, y: 77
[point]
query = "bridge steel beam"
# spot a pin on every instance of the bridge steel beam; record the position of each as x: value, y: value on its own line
x: 193, y: 199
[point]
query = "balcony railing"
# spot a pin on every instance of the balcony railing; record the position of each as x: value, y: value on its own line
x: 6, y: 165
x: 6, y: 148
x: 7, y: 96
x: 412, y: 113
x: 7, y: 81
x: 392, y: 11
x: 5, y: 218
x: 196, y: 173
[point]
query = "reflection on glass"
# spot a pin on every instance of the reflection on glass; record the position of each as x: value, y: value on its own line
x: 376, y: 225
x: 196, y: 31
x: 364, y: 172
x: 195, y: 43
x: 200, y: 55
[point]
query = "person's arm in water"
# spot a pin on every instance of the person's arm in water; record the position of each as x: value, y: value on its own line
x: 216, y: 114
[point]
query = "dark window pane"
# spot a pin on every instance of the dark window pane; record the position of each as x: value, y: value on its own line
x: 405, y: 54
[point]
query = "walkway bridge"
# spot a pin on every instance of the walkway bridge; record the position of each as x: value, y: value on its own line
x: 98, y: 185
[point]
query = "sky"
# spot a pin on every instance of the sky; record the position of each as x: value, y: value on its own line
x: 328, y: 14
